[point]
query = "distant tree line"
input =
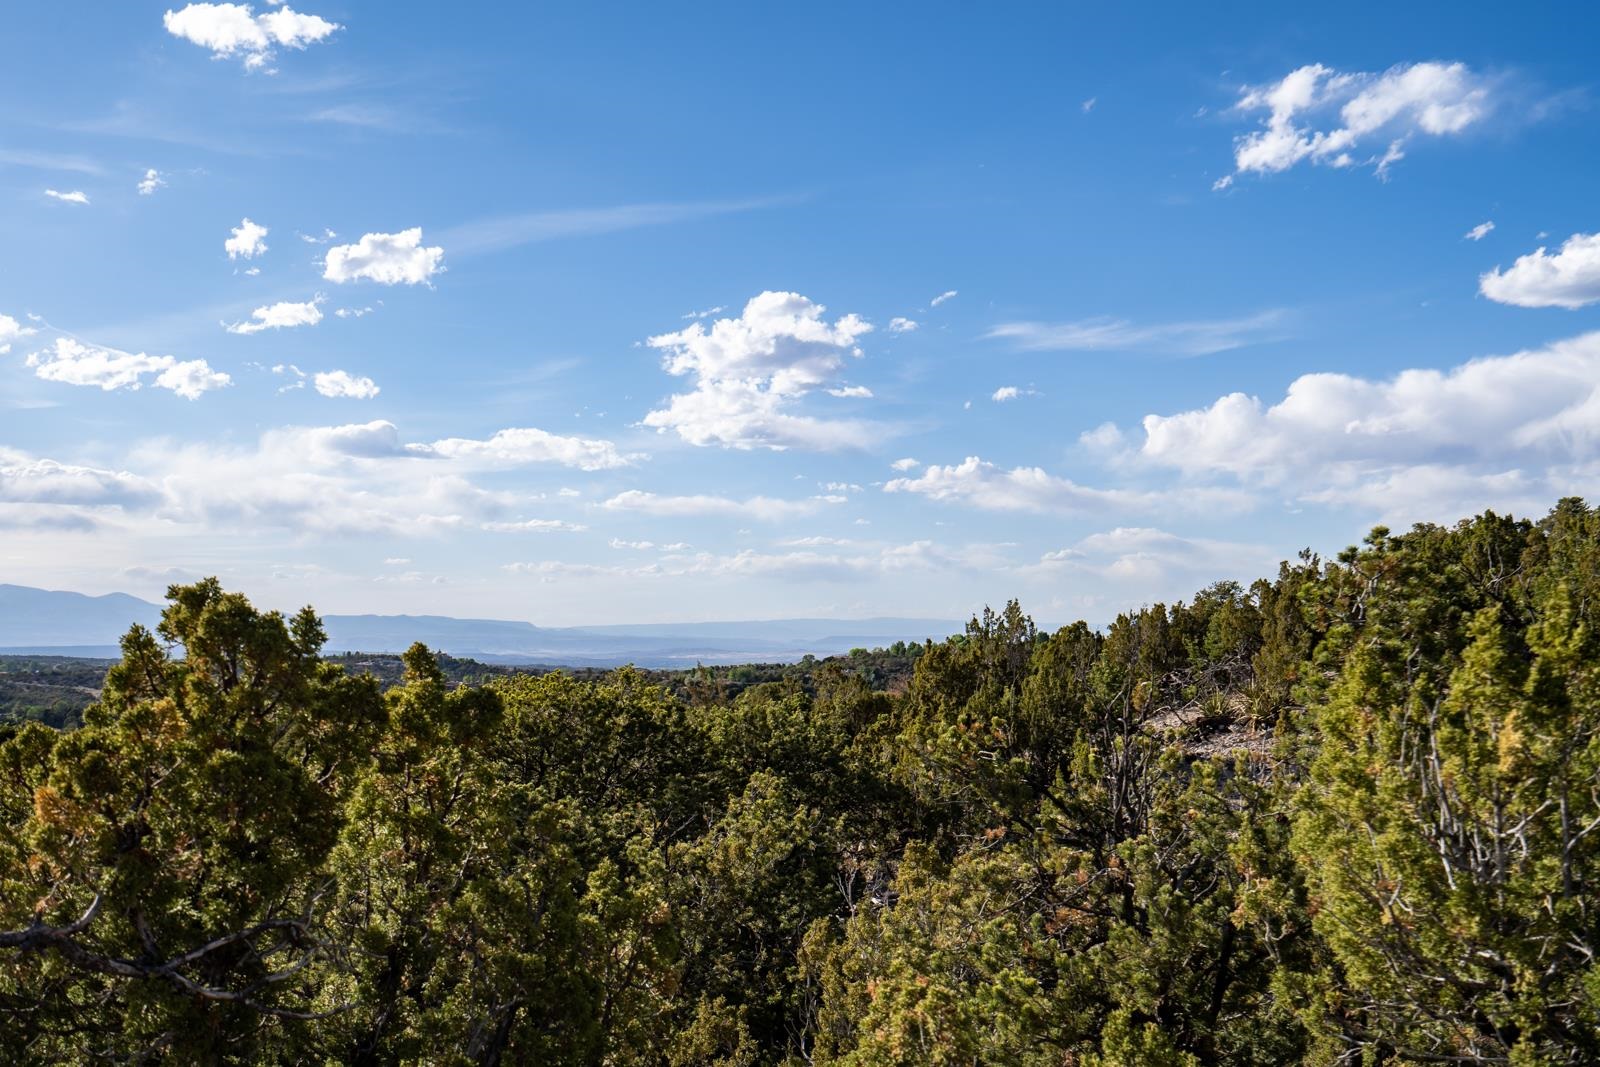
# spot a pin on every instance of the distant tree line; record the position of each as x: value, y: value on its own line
x: 1347, y: 815
x: 56, y: 690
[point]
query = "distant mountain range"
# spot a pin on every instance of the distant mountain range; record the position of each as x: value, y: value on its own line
x: 46, y: 622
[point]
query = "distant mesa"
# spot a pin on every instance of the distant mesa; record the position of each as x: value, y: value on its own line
x: 47, y: 622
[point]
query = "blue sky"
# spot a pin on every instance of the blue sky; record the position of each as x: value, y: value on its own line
x: 1221, y: 284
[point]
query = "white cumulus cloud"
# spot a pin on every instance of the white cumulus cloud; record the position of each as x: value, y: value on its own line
x: 247, y: 241
x: 519, y: 445
x: 901, y: 325
x: 11, y: 331
x: 357, y: 479
x: 1145, y: 557
x: 1479, y: 232
x: 750, y: 373
x: 385, y: 258
x: 282, y: 315
x: 1569, y: 278
x: 1342, y: 119
x: 338, y: 383
x: 151, y: 181
x: 190, y: 378
x: 236, y: 30
x: 74, y: 363
x: 1510, y: 432
x: 980, y: 484
x: 76, y: 196
x: 26, y: 479
x: 948, y: 294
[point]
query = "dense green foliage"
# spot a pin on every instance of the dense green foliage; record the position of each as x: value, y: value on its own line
x: 1347, y: 815
x: 56, y: 690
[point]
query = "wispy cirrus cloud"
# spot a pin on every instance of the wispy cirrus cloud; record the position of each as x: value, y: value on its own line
x: 510, y: 231
x: 369, y: 116
x: 535, y: 526
x: 796, y: 565
x: 762, y: 508
x: 1201, y: 337
x: 21, y: 157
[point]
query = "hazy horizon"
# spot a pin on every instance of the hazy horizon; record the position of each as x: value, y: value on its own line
x: 640, y: 626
